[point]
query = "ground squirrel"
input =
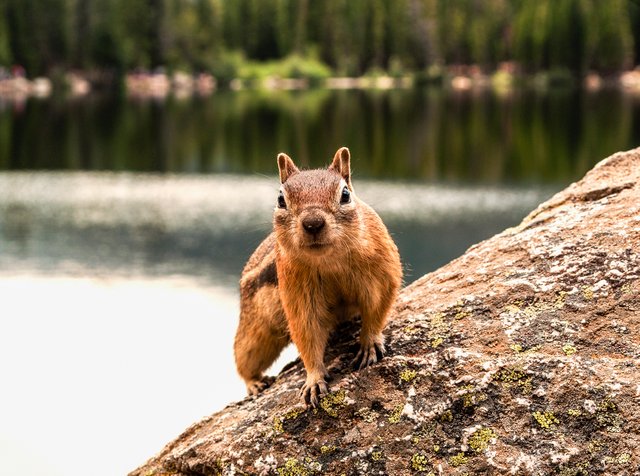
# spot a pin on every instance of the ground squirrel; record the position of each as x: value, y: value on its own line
x: 328, y: 259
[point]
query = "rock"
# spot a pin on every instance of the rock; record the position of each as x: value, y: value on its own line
x: 520, y: 357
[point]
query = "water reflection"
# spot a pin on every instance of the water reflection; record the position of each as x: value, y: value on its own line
x: 205, y: 227
x: 428, y: 134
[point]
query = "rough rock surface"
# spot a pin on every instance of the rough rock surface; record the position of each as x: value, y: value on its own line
x: 520, y: 357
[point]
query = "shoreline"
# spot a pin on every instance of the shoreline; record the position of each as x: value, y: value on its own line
x: 160, y: 85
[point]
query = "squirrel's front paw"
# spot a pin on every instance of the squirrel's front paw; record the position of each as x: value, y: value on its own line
x: 313, y: 389
x: 254, y: 387
x: 368, y: 354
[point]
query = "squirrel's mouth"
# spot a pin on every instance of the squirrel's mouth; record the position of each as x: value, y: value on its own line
x: 316, y: 246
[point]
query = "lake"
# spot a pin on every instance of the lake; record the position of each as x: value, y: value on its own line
x: 124, y: 226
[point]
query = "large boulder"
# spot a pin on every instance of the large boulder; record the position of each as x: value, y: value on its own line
x: 520, y: 357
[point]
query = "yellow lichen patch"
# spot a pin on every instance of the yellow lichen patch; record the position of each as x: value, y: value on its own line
x: 376, y: 456
x: 279, y: 420
x: 396, y: 413
x: 436, y: 448
x: 587, y: 292
x: 622, y: 458
x: 437, y: 320
x: 458, y: 460
x: 569, y: 349
x: 508, y: 375
x: 626, y: 288
x: 461, y: 314
x: 424, y: 432
x: 525, y: 385
x: 219, y: 466
x: 607, y: 405
x: 293, y: 467
x: 367, y: 414
x: 408, y: 375
x: 458, y: 311
x: 419, y: 462
x: 439, y: 329
x: 332, y: 402
x: 446, y: 416
x: 533, y: 349
x: 472, y: 397
x: 511, y: 376
x: 327, y: 449
x: 574, y: 412
x: 546, y: 420
x: 479, y: 440
x: 410, y: 330
x: 533, y: 309
x: 575, y: 470
x: 512, y: 309
x: 277, y: 424
x: 560, y: 299
x: 595, y: 446
x: 607, y: 416
x: 519, y: 349
x: 436, y: 342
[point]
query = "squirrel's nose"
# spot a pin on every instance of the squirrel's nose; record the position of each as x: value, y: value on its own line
x: 313, y: 224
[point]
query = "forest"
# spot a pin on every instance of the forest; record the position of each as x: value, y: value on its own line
x: 344, y: 37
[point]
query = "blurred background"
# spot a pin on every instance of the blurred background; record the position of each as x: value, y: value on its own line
x: 137, y: 174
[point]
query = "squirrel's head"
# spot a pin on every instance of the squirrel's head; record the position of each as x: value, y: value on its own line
x: 316, y: 210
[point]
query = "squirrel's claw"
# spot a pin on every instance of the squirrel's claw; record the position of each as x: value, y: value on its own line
x: 254, y: 387
x: 312, y: 391
x: 368, y: 355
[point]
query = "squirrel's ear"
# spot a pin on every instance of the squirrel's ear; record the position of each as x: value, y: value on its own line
x: 341, y: 164
x: 286, y: 167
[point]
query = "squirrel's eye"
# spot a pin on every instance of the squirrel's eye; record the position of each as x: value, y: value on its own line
x: 345, y: 197
x: 281, y: 202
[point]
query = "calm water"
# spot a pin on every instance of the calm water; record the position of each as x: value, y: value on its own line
x: 425, y: 135
x: 124, y: 227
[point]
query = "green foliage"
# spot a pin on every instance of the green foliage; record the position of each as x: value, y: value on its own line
x: 5, y: 49
x: 228, y: 66
x: 351, y: 37
x: 575, y: 34
x: 37, y: 31
x: 292, y: 66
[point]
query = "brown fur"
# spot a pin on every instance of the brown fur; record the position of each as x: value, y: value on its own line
x: 349, y: 267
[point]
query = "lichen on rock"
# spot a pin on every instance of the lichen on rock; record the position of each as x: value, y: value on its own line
x: 520, y: 357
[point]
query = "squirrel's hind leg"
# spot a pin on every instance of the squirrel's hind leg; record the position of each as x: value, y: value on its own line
x: 262, y: 334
